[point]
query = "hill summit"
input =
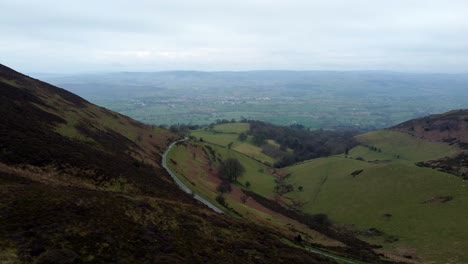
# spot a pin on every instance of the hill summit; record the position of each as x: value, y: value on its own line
x: 450, y: 127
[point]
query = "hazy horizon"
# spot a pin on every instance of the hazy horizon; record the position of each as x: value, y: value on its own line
x: 53, y: 36
x: 241, y: 71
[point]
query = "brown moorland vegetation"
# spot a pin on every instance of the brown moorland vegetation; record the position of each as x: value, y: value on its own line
x: 79, y: 183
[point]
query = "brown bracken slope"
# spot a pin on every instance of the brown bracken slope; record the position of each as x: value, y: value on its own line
x: 451, y: 128
x: 81, y: 184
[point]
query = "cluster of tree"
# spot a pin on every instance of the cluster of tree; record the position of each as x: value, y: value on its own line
x: 224, y: 186
x: 224, y: 121
x: 221, y: 200
x: 282, y: 186
x: 229, y: 171
x: 181, y: 129
x: 306, y: 144
x: 242, y: 136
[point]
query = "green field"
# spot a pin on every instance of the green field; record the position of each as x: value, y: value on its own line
x: 196, y: 168
x: 391, y: 194
x: 192, y: 167
x: 236, y: 128
x: 224, y: 134
x: 394, y: 143
x: 420, y: 211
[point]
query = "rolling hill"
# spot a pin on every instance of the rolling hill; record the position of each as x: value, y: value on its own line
x: 451, y: 128
x: 396, y: 188
x: 82, y: 184
x: 401, y: 188
x: 254, y: 196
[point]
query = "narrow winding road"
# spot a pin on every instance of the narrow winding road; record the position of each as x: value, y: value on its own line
x: 216, y: 209
x: 181, y: 184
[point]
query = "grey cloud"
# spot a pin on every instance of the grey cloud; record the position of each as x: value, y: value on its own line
x: 405, y: 35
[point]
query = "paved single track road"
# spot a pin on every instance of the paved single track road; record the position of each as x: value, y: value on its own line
x: 181, y: 184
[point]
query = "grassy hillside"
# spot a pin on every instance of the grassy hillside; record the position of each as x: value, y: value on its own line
x: 417, y: 212
x: 196, y: 164
x: 382, y: 189
x: 224, y: 134
x: 401, y: 146
x: 79, y: 183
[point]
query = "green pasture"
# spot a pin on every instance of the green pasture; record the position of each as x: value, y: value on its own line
x: 224, y: 134
x: 391, y: 194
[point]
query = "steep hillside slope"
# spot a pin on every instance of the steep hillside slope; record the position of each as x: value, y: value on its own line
x: 79, y: 183
x: 451, y: 128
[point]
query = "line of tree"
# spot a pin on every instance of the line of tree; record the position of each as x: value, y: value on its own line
x: 183, y: 129
x: 305, y: 144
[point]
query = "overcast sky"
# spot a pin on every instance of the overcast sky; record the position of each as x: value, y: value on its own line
x: 137, y: 35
